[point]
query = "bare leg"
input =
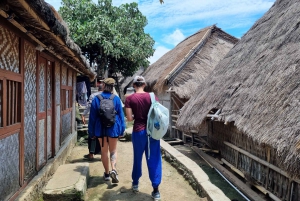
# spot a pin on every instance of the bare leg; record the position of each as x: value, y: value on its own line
x: 104, y: 154
x: 113, y: 152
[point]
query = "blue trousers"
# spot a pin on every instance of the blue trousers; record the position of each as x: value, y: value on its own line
x: 154, y: 163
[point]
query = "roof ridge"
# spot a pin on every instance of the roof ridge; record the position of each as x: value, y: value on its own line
x: 189, y: 55
x: 203, y: 29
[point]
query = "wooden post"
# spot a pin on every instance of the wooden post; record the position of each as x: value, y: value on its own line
x: 289, y: 193
x: 184, y: 138
x: 174, y: 124
x: 170, y: 119
x: 37, y: 108
x: 268, y: 169
x: 236, y: 159
x: 193, y: 138
x: 21, y: 137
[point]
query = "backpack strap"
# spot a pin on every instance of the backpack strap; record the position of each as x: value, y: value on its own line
x: 100, y: 96
x: 112, y: 96
x: 152, y: 96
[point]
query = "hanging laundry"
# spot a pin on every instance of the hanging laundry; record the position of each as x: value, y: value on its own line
x: 81, y: 93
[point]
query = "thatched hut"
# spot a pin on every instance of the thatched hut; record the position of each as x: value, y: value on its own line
x: 38, y: 68
x: 184, y: 68
x: 127, y: 82
x: 256, y: 91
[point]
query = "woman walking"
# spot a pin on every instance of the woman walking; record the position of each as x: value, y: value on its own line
x: 107, y: 134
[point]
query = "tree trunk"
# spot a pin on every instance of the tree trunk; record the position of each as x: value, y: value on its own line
x: 118, y: 86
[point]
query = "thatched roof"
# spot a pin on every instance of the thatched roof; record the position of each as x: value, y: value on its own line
x: 257, y: 85
x: 128, y: 80
x: 185, y: 67
x: 43, y: 24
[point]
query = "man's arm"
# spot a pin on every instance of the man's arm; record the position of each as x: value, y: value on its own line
x: 129, y: 114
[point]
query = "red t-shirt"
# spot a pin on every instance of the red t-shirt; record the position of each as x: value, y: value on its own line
x: 140, y: 104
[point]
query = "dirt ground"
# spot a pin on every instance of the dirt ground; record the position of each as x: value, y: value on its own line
x: 173, y: 186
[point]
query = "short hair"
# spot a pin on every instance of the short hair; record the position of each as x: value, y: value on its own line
x: 139, y: 84
x: 108, y: 88
x: 100, y: 88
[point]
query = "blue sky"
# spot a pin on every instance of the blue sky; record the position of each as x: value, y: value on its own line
x: 171, y: 22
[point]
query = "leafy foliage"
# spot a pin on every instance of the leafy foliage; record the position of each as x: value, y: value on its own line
x: 111, y: 36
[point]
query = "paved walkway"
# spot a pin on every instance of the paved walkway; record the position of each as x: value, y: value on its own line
x: 174, y: 187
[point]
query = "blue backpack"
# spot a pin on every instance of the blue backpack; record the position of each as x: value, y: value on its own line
x: 158, y: 119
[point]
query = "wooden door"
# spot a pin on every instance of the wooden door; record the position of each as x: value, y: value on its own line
x: 44, y: 111
x: 50, y: 110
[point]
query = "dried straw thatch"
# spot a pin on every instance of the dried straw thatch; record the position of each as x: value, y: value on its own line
x: 128, y: 80
x: 186, y: 66
x: 257, y: 85
x: 40, y: 20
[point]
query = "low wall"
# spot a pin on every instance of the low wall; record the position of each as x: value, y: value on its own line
x: 196, y: 177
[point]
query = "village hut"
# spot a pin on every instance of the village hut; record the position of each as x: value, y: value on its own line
x: 177, y: 74
x: 127, y: 82
x: 253, y: 96
x: 38, y: 68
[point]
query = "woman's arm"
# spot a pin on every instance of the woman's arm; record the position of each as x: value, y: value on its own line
x: 92, y: 118
x: 120, y: 112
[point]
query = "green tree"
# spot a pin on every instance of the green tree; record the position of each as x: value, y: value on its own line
x: 111, y: 36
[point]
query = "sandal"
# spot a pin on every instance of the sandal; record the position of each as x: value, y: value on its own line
x: 87, y: 156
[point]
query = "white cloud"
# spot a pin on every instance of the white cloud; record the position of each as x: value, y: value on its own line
x: 175, y: 38
x: 192, y: 15
x: 119, y: 2
x: 177, y: 12
x: 159, y: 52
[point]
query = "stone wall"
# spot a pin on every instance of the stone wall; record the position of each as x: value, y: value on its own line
x: 191, y: 171
x: 184, y: 171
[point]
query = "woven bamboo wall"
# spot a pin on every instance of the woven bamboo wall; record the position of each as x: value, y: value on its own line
x: 41, y: 137
x: 30, y: 109
x: 9, y: 170
x: 66, y: 118
x: 57, y: 106
x: 9, y: 50
x: 66, y: 126
x: 254, y: 171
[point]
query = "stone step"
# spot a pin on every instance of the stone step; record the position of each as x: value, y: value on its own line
x: 69, y: 182
x: 80, y: 126
x: 82, y: 129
